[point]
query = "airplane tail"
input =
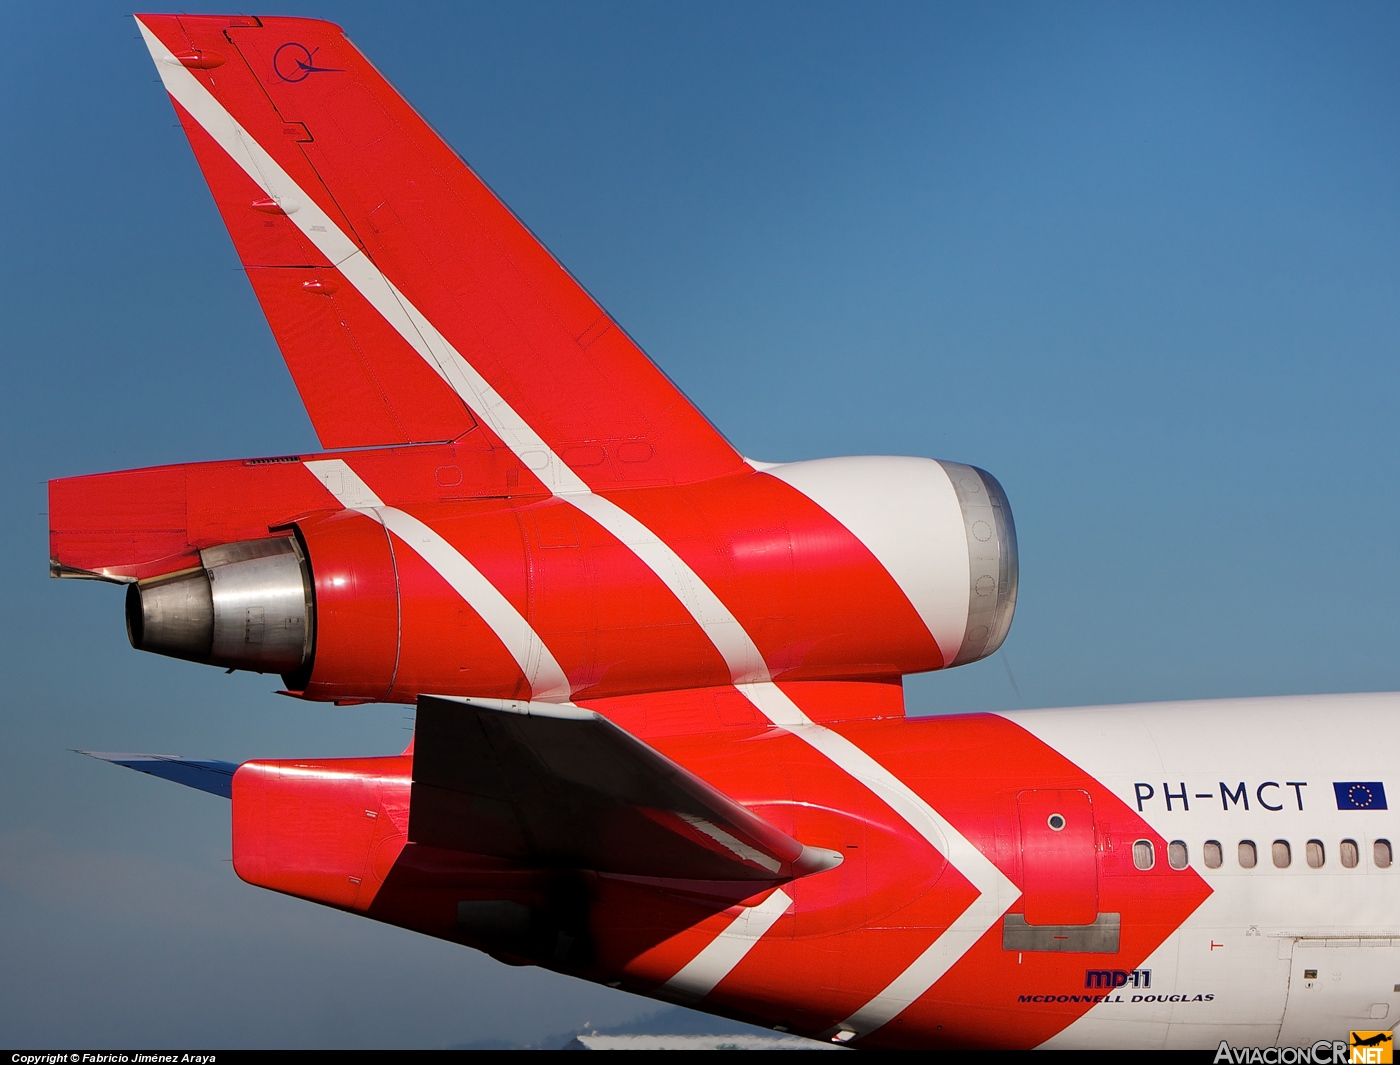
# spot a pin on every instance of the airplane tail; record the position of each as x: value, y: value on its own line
x: 410, y: 304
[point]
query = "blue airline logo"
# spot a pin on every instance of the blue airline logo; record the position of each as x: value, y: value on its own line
x: 295, y: 62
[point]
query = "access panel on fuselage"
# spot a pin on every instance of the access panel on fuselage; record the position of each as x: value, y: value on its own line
x: 1060, y: 875
x: 1337, y: 985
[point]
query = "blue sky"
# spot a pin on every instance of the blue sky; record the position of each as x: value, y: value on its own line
x: 1139, y: 261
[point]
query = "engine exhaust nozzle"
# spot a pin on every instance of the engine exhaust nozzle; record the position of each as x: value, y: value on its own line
x: 248, y: 606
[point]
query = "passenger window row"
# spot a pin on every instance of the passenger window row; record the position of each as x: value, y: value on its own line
x: 1247, y: 854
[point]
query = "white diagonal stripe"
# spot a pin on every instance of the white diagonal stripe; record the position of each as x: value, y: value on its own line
x: 486, y: 403
x: 743, y: 658
x: 995, y: 893
x: 547, y: 680
x: 744, y: 661
x: 704, y: 971
x: 740, y: 654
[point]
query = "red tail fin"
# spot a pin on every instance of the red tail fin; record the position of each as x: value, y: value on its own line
x: 408, y: 301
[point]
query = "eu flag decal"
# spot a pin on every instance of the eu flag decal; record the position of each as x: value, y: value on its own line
x: 1360, y: 795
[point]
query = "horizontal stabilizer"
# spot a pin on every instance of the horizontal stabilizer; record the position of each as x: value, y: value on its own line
x: 562, y: 786
x: 213, y: 777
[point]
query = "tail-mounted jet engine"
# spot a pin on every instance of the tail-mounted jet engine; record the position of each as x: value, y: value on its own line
x: 246, y: 606
x: 848, y: 576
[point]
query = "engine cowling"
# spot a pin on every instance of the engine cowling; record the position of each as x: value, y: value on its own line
x: 347, y: 610
x: 943, y: 530
x: 248, y: 605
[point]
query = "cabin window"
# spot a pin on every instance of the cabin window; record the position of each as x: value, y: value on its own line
x: 1249, y: 857
x: 1380, y: 852
x: 1350, y: 855
x: 1317, y: 857
x: 1212, y: 854
x: 1283, y: 854
x: 1143, y: 855
x: 1176, y: 854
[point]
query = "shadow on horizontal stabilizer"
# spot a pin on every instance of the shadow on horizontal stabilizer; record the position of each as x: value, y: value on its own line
x: 211, y: 776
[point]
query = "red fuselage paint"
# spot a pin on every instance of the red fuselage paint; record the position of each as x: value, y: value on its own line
x: 302, y: 828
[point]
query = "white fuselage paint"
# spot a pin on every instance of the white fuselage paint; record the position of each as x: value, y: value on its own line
x: 1253, y: 941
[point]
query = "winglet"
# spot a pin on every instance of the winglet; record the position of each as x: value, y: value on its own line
x: 211, y: 776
